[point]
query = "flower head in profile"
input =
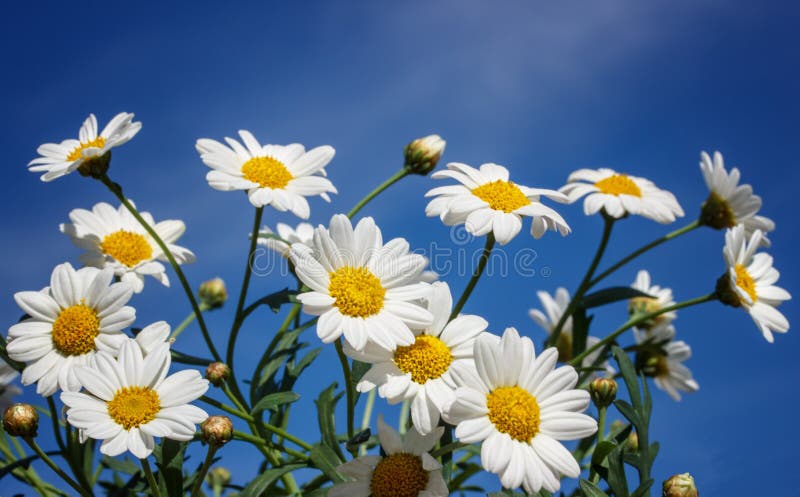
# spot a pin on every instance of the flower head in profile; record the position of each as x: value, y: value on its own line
x: 728, y: 202
x: 361, y: 287
x: 661, y: 357
x: 486, y: 201
x: 278, y: 175
x: 619, y: 194
x: 750, y: 281
x: 59, y: 159
x: 420, y: 372
x: 286, y: 236
x: 407, y: 469
x: 129, y: 400
x: 519, y: 407
x: 661, y: 298
x: 113, y: 238
x: 7, y: 388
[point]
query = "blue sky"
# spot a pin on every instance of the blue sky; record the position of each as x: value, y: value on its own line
x: 541, y: 88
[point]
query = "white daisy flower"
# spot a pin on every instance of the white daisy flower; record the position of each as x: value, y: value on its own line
x: 486, y: 201
x: 129, y: 400
x: 277, y: 175
x: 420, y: 373
x: 361, y: 287
x: 750, y: 281
x: 304, y: 233
x: 663, y: 360
x: 554, y: 307
x: 153, y: 336
x: 620, y: 194
x: 59, y: 159
x: 407, y: 469
x: 80, y: 313
x: 114, y: 238
x: 7, y: 389
x: 662, y: 297
x: 519, y: 407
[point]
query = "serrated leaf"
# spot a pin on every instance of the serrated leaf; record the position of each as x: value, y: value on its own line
x: 589, y: 489
x: 326, y: 405
x: 265, y: 480
x: 273, y: 400
x: 611, y: 295
x: 326, y: 460
x: 294, y: 370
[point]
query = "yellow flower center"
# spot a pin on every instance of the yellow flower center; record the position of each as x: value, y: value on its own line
x: 745, y: 282
x: 357, y: 291
x: 426, y: 359
x: 127, y: 247
x: 399, y: 475
x: 514, y: 410
x: 502, y: 195
x: 618, y: 184
x: 75, y: 329
x: 134, y: 406
x: 77, y: 152
x: 267, y: 172
x: 646, y: 305
x: 653, y: 363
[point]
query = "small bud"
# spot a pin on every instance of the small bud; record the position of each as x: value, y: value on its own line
x: 632, y: 442
x: 95, y: 167
x: 213, y: 293
x: 680, y: 486
x: 217, y: 430
x: 717, y: 213
x: 218, y: 477
x: 603, y: 391
x: 217, y: 373
x: 423, y: 154
x: 21, y: 420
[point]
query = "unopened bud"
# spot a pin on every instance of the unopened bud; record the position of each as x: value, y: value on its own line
x: 680, y: 486
x: 218, y: 477
x: 603, y: 391
x: 21, y: 420
x: 213, y: 293
x: 423, y: 154
x: 632, y: 442
x: 217, y: 373
x: 217, y: 430
x: 95, y: 167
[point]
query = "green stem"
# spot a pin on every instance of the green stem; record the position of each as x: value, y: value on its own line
x: 151, y: 480
x: 449, y: 448
x: 487, y: 249
x: 350, y: 389
x: 255, y: 440
x: 637, y: 319
x: 224, y: 407
x: 56, y: 425
x: 186, y: 322
x: 402, y: 173
x: 366, y: 418
x: 295, y: 311
x: 402, y: 422
x: 57, y: 470
x: 601, y: 426
x: 585, y: 283
x: 201, y: 475
x: 636, y: 253
x: 117, y: 191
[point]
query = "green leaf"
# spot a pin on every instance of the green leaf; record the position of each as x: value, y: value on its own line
x: 170, y: 463
x: 580, y: 330
x: 643, y: 489
x: 294, y: 370
x: 326, y: 405
x: 277, y: 299
x: 628, y: 411
x: 121, y: 465
x: 589, y: 489
x: 611, y: 295
x: 628, y: 374
x: 616, y: 478
x: 326, y: 460
x: 273, y: 400
x: 265, y: 480
x: 601, y: 451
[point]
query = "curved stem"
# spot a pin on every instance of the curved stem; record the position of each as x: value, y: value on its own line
x: 295, y: 311
x: 56, y: 425
x: 601, y: 426
x: 402, y: 421
x: 151, y: 480
x: 349, y: 388
x: 201, y: 475
x: 44, y: 457
x: 402, y: 173
x: 186, y: 322
x: 117, y: 191
x: 487, y: 249
x: 224, y: 407
x: 366, y: 418
x: 636, y: 253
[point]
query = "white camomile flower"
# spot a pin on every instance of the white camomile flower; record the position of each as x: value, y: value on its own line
x: 7, y: 389
x: 129, y: 400
x: 303, y: 233
x: 750, y: 281
x: 728, y: 202
x: 420, y: 372
x: 278, y: 175
x: 519, y: 407
x: 114, y: 238
x: 407, y: 469
x: 554, y: 307
x: 80, y: 313
x: 619, y: 194
x: 152, y: 336
x: 59, y: 159
x: 486, y: 201
x: 662, y: 297
x: 663, y: 360
x: 361, y: 287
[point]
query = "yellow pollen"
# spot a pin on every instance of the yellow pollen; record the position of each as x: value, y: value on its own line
x: 745, y: 282
x: 514, y: 410
x: 75, y: 329
x: 357, y: 291
x: 618, y: 184
x: 426, y: 359
x: 77, y: 152
x: 502, y: 195
x: 399, y: 475
x: 134, y: 406
x: 127, y: 247
x: 267, y: 172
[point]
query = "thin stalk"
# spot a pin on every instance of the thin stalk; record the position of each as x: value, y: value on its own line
x: 56, y: 425
x: 201, y: 476
x: 255, y: 440
x: 402, y: 422
x: 402, y: 173
x: 186, y: 322
x: 151, y: 480
x: 225, y: 407
x: 487, y: 250
x: 601, y: 426
x: 366, y: 418
x: 349, y: 387
x: 57, y: 470
x: 449, y: 448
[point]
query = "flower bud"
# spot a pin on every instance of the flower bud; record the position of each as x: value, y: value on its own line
x: 603, y: 391
x: 423, y: 154
x: 213, y: 293
x: 680, y: 486
x: 217, y: 373
x: 632, y: 442
x: 217, y: 430
x: 218, y: 477
x: 95, y: 167
x: 21, y: 420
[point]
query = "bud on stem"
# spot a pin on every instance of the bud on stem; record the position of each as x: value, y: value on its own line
x: 21, y: 420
